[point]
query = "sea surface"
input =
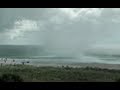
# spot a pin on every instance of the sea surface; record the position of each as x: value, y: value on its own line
x: 37, y: 55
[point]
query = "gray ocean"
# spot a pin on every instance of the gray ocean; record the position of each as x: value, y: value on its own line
x: 37, y: 55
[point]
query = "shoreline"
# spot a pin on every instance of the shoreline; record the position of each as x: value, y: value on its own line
x: 60, y: 64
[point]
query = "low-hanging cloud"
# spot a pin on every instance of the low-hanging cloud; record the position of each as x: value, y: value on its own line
x: 21, y: 27
x: 69, y: 30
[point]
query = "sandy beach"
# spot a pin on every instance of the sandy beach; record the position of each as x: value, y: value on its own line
x: 49, y: 62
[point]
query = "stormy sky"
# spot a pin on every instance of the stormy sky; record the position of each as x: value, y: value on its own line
x: 62, y: 29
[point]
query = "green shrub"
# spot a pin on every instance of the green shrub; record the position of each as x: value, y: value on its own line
x: 10, y: 78
x: 117, y: 80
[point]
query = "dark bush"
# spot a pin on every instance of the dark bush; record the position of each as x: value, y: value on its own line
x: 10, y: 78
x: 117, y: 80
x: 67, y: 67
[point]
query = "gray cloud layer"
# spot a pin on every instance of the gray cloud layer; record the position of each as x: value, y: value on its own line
x: 61, y: 29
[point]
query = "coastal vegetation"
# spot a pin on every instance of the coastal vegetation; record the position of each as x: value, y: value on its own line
x: 29, y: 73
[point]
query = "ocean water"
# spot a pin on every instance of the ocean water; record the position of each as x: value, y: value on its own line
x: 33, y: 53
x: 21, y: 50
x: 37, y: 55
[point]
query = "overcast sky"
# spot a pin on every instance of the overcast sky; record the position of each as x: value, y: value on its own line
x: 70, y: 28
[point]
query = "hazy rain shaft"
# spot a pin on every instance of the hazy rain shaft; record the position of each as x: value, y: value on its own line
x: 63, y: 31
